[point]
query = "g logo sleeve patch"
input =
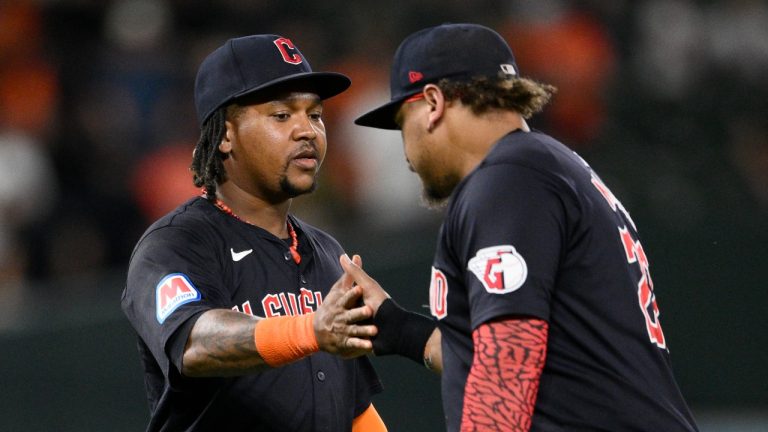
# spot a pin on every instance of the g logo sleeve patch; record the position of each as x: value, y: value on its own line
x: 501, y: 269
x: 173, y: 291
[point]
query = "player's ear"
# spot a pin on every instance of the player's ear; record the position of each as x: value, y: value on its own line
x: 436, y: 101
x: 225, y: 146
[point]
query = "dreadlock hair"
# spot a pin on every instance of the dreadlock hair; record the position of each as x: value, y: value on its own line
x: 483, y: 94
x: 207, y: 161
x: 207, y: 167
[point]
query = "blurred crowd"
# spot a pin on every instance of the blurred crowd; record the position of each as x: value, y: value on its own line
x: 669, y: 98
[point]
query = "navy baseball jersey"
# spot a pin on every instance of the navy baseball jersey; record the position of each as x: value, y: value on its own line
x: 533, y: 231
x: 198, y: 258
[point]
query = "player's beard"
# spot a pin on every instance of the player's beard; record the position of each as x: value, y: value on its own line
x: 435, y: 194
x: 292, y: 191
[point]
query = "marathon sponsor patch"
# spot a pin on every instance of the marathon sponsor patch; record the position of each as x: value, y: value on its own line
x: 173, y: 291
x: 501, y: 269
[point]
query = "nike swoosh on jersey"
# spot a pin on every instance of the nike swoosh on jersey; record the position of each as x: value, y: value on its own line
x: 237, y: 256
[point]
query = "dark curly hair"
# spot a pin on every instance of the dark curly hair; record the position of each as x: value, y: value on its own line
x: 483, y: 94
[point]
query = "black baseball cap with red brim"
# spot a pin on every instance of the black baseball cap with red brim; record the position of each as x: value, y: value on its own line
x: 458, y: 52
x: 249, y: 64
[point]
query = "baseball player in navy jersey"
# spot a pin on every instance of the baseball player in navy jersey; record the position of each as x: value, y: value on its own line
x: 245, y: 320
x: 546, y: 312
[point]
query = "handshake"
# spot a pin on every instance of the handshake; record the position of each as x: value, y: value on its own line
x: 357, y: 317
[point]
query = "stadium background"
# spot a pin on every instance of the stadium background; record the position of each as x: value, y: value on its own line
x: 666, y: 99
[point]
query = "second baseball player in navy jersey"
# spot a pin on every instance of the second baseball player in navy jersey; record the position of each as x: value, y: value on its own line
x: 199, y: 258
x: 541, y: 289
x: 531, y: 210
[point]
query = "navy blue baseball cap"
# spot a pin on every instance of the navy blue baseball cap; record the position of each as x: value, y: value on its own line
x: 458, y: 52
x: 248, y: 64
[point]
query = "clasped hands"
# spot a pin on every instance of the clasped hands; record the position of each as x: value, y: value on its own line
x: 343, y: 323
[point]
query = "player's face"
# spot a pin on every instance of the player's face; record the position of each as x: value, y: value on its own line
x: 428, y: 153
x: 275, y: 147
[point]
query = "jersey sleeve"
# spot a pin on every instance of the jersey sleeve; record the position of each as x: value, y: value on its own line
x: 172, y: 279
x: 510, y: 227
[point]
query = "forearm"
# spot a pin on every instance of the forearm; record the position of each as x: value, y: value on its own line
x: 433, y: 352
x: 503, y: 381
x: 221, y: 343
x: 406, y: 333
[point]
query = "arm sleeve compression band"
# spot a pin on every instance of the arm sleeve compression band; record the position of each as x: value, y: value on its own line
x: 284, y: 339
x: 401, y: 332
x: 503, y: 381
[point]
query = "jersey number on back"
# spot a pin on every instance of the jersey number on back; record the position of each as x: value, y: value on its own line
x: 635, y: 254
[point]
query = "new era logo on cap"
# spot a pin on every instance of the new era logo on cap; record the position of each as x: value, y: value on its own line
x: 508, y: 69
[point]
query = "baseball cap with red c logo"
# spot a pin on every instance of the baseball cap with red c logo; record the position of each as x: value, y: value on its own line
x: 248, y: 64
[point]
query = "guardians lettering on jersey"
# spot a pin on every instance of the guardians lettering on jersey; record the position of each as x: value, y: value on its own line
x: 285, y: 304
x: 635, y: 254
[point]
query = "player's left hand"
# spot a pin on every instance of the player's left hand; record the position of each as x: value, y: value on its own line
x: 337, y: 322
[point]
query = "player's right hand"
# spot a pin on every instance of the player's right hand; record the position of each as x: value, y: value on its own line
x: 338, y: 321
x: 373, y: 294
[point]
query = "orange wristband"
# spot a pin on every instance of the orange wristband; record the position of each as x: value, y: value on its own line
x: 284, y: 339
x: 369, y: 421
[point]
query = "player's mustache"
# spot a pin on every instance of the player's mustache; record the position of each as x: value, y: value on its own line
x: 308, y: 151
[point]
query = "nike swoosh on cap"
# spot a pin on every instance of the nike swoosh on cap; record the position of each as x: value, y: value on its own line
x: 237, y: 256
